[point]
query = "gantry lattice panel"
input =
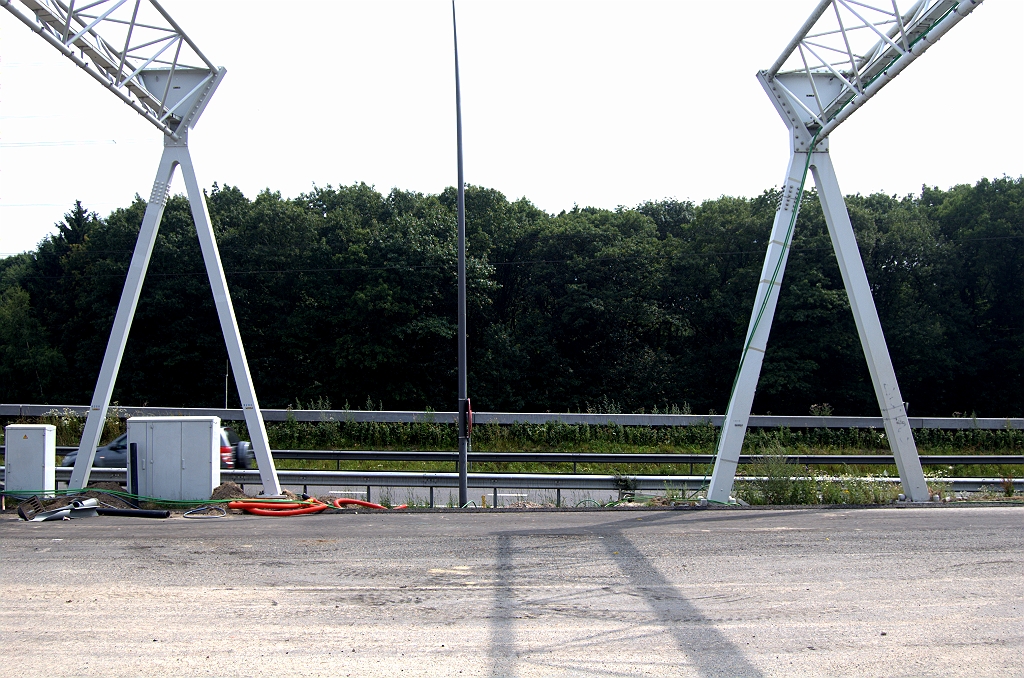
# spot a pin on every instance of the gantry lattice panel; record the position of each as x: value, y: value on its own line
x: 845, y: 49
x: 136, y: 49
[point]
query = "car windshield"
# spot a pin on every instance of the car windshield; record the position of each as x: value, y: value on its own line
x: 232, y: 436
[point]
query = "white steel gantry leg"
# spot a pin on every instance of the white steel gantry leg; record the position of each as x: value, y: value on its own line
x: 734, y: 426
x: 123, y: 321
x: 883, y: 377
x: 175, y: 153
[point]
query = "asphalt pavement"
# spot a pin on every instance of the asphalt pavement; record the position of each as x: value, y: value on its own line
x: 726, y: 592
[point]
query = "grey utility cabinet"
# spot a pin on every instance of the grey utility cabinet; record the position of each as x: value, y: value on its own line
x: 178, y: 457
x: 30, y: 457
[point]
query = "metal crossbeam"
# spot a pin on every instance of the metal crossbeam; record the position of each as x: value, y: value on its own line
x: 135, y: 49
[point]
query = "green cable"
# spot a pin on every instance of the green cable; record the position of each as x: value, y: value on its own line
x: 128, y: 495
x: 792, y: 223
x: 764, y: 302
x: 897, y: 58
x: 778, y: 264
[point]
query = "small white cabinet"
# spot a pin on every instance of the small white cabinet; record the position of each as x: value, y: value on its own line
x: 30, y: 457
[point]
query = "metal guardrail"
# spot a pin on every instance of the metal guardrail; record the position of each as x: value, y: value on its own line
x: 639, y: 458
x: 756, y: 421
x: 621, y: 458
x: 532, y: 481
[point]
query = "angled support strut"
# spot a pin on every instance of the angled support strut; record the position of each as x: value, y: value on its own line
x: 883, y: 377
x: 813, y: 95
x: 175, y: 154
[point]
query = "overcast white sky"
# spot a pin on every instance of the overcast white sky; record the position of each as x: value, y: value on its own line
x: 594, y: 103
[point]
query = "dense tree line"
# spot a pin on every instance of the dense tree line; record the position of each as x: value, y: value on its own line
x: 348, y: 295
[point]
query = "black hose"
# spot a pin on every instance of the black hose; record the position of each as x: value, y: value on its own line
x: 133, y: 513
x: 133, y: 474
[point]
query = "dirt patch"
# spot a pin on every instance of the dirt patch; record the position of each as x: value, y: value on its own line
x: 525, y: 505
x: 106, y: 485
x: 667, y: 501
x: 228, y: 490
x: 99, y: 491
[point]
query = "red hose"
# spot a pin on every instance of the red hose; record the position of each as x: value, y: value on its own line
x: 255, y: 503
x: 275, y: 508
x: 359, y: 502
x: 290, y: 512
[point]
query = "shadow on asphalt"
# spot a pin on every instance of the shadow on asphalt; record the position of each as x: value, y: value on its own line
x: 708, y: 649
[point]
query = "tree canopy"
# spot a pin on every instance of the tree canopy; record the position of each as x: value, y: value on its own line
x: 347, y: 295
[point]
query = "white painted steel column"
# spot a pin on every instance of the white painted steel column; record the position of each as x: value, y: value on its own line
x: 883, y: 377
x: 734, y: 427
x: 123, y: 321
x: 229, y: 326
x: 175, y: 153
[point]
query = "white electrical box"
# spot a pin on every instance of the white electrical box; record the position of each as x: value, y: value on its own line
x: 30, y: 457
x: 178, y: 457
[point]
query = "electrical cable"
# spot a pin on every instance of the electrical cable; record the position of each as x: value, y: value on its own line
x: 128, y: 495
x: 768, y: 293
x: 342, y: 501
x: 195, y: 514
x: 275, y: 508
x: 792, y: 223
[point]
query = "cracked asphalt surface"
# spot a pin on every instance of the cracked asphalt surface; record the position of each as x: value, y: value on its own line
x: 824, y: 592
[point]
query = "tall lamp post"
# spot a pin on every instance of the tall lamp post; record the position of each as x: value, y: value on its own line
x: 465, y: 411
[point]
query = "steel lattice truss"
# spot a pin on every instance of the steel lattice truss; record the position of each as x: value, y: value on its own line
x: 136, y: 49
x: 848, y: 49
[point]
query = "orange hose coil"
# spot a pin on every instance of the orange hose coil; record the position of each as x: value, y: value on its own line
x: 278, y: 508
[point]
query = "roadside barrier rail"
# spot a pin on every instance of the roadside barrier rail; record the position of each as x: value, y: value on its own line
x: 622, y: 458
x: 492, y: 481
x: 639, y: 458
x: 396, y: 416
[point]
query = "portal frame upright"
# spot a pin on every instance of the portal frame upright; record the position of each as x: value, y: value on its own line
x: 832, y: 72
x: 141, y: 55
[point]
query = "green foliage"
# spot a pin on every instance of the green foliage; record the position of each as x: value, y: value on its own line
x: 773, y: 480
x: 1006, y: 482
x: 858, y: 491
x: 69, y: 425
x: 347, y: 294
